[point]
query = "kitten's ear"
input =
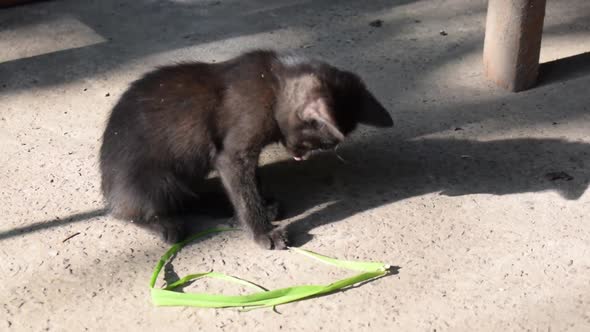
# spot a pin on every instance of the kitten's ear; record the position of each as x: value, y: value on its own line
x: 372, y: 113
x: 317, y: 110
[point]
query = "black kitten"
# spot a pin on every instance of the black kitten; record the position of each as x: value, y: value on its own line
x: 177, y: 123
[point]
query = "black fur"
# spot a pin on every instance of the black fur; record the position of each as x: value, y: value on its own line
x: 177, y: 123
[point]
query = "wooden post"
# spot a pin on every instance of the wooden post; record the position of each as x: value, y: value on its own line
x: 513, y: 42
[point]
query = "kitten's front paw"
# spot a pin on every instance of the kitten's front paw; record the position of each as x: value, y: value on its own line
x: 273, y: 240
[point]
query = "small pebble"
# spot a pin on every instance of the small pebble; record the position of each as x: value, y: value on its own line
x: 376, y: 23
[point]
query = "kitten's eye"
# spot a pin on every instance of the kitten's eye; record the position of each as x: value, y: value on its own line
x: 326, y: 146
x: 313, y: 123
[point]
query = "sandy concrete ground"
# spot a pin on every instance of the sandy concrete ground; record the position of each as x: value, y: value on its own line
x: 457, y: 195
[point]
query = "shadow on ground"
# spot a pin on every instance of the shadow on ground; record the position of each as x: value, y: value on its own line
x: 564, y: 69
x: 377, y: 173
x: 136, y: 29
x: 57, y: 222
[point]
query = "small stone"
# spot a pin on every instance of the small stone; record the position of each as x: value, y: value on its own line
x: 376, y: 23
x: 107, y: 95
x: 443, y: 33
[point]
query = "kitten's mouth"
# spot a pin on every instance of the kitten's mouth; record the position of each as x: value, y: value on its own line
x: 301, y: 157
x: 305, y: 155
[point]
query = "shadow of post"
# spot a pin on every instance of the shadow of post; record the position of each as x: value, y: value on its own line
x: 564, y: 69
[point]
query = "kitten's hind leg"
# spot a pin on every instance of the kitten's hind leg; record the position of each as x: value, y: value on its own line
x: 170, y: 229
x: 151, y: 201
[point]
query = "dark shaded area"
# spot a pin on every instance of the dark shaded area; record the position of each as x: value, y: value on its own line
x: 41, y: 225
x: 378, y: 171
x: 564, y: 69
x: 135, y: 29
x: 14, y: 3
x: 170, y: 275
x: 378, y: 174
x: 213, y: 210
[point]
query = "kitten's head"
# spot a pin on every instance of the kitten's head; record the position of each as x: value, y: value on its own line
x: 319, y: 105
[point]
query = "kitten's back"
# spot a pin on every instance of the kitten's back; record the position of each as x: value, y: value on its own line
x: 171, y: 123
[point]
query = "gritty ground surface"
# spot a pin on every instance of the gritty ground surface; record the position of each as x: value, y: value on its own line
x: 465, y: 195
